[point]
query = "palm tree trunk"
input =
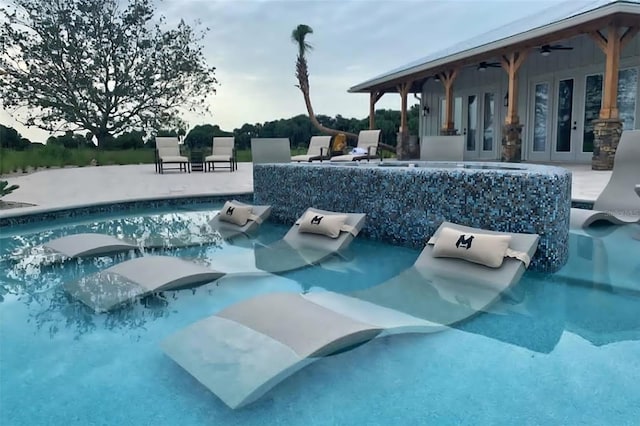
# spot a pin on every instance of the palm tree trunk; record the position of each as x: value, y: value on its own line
x: 316, y: 123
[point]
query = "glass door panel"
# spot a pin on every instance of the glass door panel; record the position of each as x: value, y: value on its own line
x: 627, y: 90
x: 564, y: 116
x: 472, y: 122
x: 541, y: 117
x: 488, y: 122
x: 592, y: 105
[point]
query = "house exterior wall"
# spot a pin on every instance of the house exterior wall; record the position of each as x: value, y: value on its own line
x: 585, y: 59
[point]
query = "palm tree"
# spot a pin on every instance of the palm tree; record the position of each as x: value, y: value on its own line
x: 298, y: 36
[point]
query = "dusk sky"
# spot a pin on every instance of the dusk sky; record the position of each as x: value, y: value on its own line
x: 249, y: 43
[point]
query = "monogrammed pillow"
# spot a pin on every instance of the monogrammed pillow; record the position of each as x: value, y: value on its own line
x: 485, y: 249
x: 235, y: 213
x: 323, y: 224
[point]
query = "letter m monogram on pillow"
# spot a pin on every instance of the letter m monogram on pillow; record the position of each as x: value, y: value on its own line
x: 229, y: 211
x: 464, y: 242
x: 316, y: 220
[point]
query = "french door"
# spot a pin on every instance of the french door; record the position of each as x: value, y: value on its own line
x: 480, y: 119
x: 554, y: 133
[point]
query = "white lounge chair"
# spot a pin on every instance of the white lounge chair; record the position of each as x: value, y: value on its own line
x: 136, y: 278
x: 368, y: 141
x: 617, y: 203
x: 270, y: 150
x: 222, y: 151
x: 295, y: 250
x: 442, y: 148
x: 77, y: 246
x: 248, y: 348
x: 319, y: 149
x: 168, y: 152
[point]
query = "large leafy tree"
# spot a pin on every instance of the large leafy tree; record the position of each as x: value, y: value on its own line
x: 106, y: 66
x: 298, y: 36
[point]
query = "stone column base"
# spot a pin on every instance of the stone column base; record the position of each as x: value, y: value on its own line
x: 402, y: 142
x: 512, y: 142
x: 606, y: 135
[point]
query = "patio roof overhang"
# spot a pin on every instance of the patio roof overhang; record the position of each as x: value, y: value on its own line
x: 620, y: 14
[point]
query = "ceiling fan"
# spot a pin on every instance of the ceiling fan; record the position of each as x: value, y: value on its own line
x: 547, y: 48
x: 482, y: 66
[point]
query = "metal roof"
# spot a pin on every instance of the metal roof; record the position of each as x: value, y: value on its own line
x: 560, y: 16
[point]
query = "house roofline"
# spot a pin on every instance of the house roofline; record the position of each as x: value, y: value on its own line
x: 563, y: 24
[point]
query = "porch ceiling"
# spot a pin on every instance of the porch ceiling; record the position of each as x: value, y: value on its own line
x: 622, y: 14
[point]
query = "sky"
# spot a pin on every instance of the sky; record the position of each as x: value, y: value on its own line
x: 249, y: 42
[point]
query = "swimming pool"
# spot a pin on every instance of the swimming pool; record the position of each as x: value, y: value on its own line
x: 563, y: 350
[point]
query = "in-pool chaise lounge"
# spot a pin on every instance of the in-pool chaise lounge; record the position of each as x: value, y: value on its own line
x: 136, y: 278
x: 316, y: 235
x: 248, y: 348
x: 243, y: 220
x: 617, y: 203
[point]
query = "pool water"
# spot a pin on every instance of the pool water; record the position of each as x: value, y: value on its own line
x: 562, y: 349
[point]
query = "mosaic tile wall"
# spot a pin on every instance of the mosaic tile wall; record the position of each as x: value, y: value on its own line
x: 405, y: 205
x: 124, y: 206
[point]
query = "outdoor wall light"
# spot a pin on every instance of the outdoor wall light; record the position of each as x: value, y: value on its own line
x: 426, y: 110
x: 506, y: 100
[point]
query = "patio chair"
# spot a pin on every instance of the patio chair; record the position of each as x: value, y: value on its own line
x: 319, y: 149
x: 223, y: 151
x: 368, y: 141
x: 270, y: 150
x: 168, y: 152
x: 442, y: 148
x: 617, y: 204
x: 246, y: 349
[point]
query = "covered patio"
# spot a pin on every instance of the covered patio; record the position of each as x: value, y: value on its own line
x: 559, y: 86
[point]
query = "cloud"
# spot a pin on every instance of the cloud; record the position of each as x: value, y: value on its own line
x: 249, y: 43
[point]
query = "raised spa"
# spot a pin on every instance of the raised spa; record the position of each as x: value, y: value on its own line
x: 405, y: 202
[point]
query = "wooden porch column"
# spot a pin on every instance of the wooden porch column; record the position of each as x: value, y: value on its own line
x: 447, y: 79
x: 403, y: 136
x: 374, y: 97
x: 608, y: 128
x: 512, y: 129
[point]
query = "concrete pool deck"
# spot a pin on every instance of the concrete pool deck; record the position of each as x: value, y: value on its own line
x: 68, y: 187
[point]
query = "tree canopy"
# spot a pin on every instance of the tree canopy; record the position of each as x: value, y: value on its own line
x: 105, y: 66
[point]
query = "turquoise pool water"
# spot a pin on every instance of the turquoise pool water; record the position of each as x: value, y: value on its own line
x: 563, y: 349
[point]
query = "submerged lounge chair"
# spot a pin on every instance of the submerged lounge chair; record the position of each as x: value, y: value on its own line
x: 90, y: 245
x: 136, y: 278
x: 368, y: 141
x: 300, y: 247
x: 319, y: 149
x: 617, y: 203
x: 248, y: 348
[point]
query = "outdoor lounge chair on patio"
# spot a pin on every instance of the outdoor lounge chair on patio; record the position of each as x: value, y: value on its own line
x: 248, y: 348
x: 442, y: 148
x: 270, y: 150
x: 223, y: 151
x: 168, y: 152
x: 319, y: 149
x: 368, y: 141
x: 617, y: 203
